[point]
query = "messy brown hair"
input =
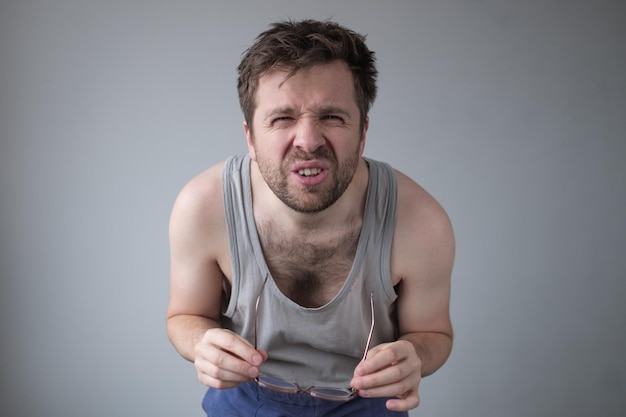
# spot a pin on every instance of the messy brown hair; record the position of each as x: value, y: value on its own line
x: 296, y: 45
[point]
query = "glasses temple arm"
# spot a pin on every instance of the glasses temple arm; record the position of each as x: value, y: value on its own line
x: 369, y: 338
x: 256, y: 310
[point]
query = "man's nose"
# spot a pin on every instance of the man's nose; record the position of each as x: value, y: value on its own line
x: 308, y: 135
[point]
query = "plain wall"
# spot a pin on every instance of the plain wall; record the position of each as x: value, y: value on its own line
x: 511, y: 113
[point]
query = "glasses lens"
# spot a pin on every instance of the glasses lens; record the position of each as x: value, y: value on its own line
x: 333, y: 394
x: 276, y: 384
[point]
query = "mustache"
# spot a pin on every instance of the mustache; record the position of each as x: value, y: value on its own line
x: 320, y: 153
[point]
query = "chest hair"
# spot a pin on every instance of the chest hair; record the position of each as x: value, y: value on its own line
x: 309, y: 267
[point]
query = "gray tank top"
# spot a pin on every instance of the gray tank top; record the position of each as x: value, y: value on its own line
x: 311, y: 346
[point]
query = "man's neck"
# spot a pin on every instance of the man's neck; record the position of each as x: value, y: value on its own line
x: 351, y: 205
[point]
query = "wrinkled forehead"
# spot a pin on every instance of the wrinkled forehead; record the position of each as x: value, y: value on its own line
x: 323, y: 85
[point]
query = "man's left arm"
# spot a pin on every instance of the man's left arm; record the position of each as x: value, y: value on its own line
x: 422, y: 258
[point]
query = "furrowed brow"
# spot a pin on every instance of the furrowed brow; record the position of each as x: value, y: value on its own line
x: 279, y: 111
x: 325, y: 110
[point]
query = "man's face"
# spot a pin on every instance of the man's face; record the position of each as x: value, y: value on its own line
x: 306, y: 136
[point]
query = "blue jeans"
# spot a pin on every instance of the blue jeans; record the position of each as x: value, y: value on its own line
x: 250, y: 400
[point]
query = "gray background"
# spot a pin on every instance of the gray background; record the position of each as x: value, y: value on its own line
x: 511, y: 113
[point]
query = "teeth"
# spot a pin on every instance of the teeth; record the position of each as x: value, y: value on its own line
x: 307, y: 172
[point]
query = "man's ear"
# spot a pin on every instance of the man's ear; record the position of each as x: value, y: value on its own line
x: 249, y: 140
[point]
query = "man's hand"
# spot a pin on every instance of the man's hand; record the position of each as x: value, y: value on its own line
x: 225, y: 360
x: 390, y: 370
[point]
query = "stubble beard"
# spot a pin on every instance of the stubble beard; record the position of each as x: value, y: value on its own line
x: 312, y: 199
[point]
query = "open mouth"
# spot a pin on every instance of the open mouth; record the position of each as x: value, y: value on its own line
x: 309, y: 172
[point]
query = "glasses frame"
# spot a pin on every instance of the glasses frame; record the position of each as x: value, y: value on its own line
x: 325, y: 393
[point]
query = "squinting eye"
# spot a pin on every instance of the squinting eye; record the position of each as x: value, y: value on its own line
x: 332, y: 117
x: 281, y: 122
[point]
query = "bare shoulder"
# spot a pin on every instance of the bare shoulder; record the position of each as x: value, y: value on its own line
x: 197, y: 250
x: 197, y: 223
x: 421, y: 260
x: 423, y: 234
x: 200, y: 193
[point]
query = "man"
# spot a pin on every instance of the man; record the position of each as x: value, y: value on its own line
x: 305, y: 278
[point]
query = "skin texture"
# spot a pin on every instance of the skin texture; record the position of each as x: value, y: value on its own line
x: 310, y: 121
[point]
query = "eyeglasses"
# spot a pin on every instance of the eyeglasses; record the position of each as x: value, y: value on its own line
x: 325, y: 393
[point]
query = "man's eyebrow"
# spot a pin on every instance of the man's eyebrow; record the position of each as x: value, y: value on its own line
x: 333, y: 110
x: 321, y: 111
x: 279, y: 111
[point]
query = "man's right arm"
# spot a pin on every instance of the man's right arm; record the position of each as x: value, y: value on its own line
x: 198, y: 260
